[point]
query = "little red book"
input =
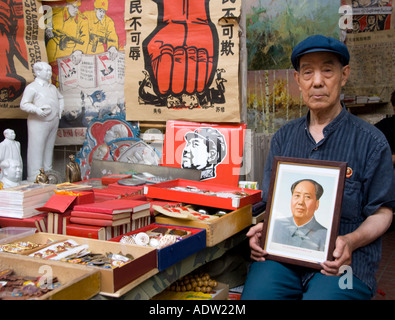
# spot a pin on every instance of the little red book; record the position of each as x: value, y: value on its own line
x: 114, y: 206
x: 99, y: 222
x: 112, y: 178
x: 57, y: 203
x: 127, y: 190
x: 39, y: 222
x: 92, y: 232
x: 97, y: 215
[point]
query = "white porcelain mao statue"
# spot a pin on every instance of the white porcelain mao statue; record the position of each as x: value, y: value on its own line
x: 10, y: 148
x: 44, y: 103
x: 12, y: 173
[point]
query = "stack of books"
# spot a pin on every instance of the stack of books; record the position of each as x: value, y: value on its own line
x: 21, y: 202
x: 115, y: 191
x: 39, y: 222
x: 107, y: 219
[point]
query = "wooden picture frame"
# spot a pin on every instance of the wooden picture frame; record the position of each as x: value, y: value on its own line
x: 298, y: 229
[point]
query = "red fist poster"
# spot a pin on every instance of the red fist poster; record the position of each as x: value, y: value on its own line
x: 182, y: 60
x: 214, y: 149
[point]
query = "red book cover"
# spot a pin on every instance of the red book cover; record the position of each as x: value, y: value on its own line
x: 127, y: 190
x: 92, y: 232
x: 57, y: 203
x: 99, y: 222
x: 110, y: 192
x: 97, y: 215
x: 39, y: 222
x: 112, y: 178
x: 100, y: 197
x: 114, y: 206
x: 136, y: 197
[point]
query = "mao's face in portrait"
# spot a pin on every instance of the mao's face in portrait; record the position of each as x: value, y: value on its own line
x: 304, y: 202
x: 195, y: 155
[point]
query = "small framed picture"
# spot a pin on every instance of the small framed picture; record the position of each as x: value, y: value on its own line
x: 303, y: 210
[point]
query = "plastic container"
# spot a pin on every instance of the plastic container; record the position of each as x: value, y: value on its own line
x: 10, y: 234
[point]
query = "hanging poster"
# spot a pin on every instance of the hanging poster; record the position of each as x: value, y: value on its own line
x: 21, y: 45
x: 214, y: 149
x: 85, y: 43
x: 372, y: 65
x: 182, y: 60
x: 369, y: 16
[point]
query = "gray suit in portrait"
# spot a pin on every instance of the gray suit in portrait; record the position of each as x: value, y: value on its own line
x: 311, y: 235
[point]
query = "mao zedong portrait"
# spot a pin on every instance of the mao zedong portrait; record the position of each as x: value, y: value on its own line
x: 205, y: 148
x: 302, y: 229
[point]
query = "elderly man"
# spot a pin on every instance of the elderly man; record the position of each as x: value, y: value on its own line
x: 329, y: 132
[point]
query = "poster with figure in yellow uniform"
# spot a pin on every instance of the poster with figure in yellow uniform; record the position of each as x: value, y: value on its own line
x: 85, y: 44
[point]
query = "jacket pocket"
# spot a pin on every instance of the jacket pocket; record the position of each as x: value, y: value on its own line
x: 352, y: 200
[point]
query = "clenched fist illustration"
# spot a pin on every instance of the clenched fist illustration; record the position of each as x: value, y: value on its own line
x: 181, y: 54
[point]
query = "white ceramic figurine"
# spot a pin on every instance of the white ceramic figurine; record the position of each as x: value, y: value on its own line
x: 45, y: 105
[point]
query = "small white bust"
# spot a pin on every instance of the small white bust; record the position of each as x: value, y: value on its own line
x: 12, y: 173
x: 9, y: 148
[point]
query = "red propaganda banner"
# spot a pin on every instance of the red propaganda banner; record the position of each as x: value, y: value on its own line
x: 21, y: 45
x: 214, y: 149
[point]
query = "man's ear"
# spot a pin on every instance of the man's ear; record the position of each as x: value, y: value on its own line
x: 345, y: 74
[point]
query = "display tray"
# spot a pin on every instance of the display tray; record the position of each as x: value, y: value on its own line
x: 115, y: 279
x: 170, y: 255
x: 216, y: 230
x: 77, y: 282
x: 203, y: 193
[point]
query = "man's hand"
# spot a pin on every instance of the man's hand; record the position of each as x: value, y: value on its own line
x: 43, y: 111
x: 342, y: 254
x: 371, y: 229
x: 255, y: 234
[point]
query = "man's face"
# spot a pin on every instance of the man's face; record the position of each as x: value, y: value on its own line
x: 13, y: 172
x: 320, y: 78
x: 10, y: 134
x: 304, y: 202
x: 45, y: 74
x: 195, y: 155
x: 73, y: 9
x: 100, y: 13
